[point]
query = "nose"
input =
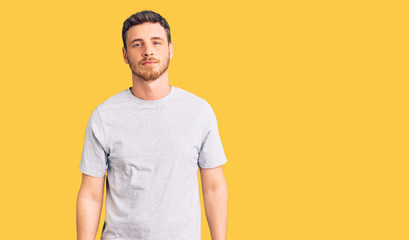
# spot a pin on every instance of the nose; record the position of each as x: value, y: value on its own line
x: 148, y: 51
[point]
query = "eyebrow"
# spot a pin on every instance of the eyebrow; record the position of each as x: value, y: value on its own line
x: 141, y: 40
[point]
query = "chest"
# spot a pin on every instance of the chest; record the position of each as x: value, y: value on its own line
x: 152, y: 135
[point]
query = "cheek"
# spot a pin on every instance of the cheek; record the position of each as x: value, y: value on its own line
x: 165, y: 56
x: 132, y: 55
x: 133, y: 60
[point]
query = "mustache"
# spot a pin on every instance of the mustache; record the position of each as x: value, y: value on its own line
x: 149, y: 60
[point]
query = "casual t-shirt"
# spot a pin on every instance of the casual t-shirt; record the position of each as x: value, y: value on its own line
x: 151, y: 151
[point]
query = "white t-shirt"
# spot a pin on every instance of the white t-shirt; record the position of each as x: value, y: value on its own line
x: 151, y: 151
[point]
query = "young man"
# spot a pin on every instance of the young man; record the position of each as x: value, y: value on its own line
x: 150, y: 139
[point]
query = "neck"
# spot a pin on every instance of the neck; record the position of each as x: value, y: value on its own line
x: 151, y: 89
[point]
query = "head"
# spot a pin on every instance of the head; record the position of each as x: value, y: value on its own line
x: 147, y: 44
x: 142, y: 17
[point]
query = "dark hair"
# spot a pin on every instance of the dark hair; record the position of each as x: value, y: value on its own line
x: 142, y: 17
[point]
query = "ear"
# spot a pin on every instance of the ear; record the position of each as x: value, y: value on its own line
x: 125, y: 55
x: 171, y: 49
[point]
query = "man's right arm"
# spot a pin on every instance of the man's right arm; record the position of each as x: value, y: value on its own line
x: 89, y: 206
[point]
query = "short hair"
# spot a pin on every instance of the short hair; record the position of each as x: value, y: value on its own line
x: 142, y: 17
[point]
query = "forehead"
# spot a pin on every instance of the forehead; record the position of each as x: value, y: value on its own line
x: 146, y: 31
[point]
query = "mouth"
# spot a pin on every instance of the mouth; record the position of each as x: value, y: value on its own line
x: 148, y: 63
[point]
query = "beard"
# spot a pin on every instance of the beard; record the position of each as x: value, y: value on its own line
x: 149, y: 72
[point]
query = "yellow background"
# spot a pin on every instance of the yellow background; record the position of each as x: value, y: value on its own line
x: 311, y: 99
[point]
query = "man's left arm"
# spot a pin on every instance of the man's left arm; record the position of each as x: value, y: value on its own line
x: 215, y: 199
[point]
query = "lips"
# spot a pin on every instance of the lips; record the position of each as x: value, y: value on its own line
x: 148, y: 63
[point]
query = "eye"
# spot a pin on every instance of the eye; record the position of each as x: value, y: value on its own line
x: 137, y: 45
x: 156, y: 43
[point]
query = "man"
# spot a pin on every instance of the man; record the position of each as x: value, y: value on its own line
x: 150, y: 139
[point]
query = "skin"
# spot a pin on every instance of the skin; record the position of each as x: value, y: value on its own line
x: 150, y: 82
x: 89, y: 206
x: 215, y: 198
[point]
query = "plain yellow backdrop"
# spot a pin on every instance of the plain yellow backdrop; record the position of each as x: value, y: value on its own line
x: 311, y: 99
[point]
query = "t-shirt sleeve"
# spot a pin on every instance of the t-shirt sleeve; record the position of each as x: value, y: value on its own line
x: 211, y: 152
x: 94, y: 159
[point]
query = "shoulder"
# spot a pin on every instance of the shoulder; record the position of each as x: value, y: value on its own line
x: 117, y: 99
x: 104, y: 109
x: 192, y: 100
x: 109, y: 105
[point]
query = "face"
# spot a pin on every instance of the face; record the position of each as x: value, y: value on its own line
x: 148, y: 53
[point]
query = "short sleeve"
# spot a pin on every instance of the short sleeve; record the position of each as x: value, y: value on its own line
x: 211, y: 153
x: 94, y: 159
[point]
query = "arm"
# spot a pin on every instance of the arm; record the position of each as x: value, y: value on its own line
x: 89, y: 205
x: 214, y: 189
